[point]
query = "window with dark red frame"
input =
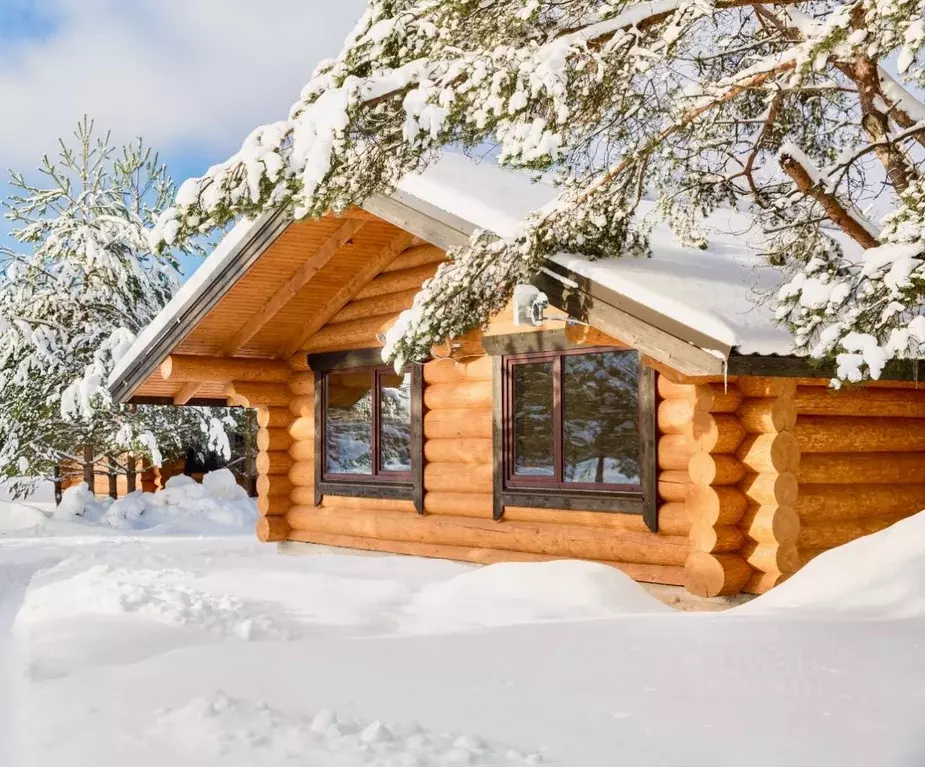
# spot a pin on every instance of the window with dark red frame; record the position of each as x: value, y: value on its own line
x: 367, y: 425
x: 577, y: 430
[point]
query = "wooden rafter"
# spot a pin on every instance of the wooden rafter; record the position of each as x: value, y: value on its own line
x: 186, y: 393
x: 337, y: 302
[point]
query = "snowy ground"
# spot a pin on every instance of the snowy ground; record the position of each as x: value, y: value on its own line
x: 140, y: 648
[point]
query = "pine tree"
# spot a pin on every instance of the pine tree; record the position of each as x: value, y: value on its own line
x: 786, y: 107
x: 72, y: 302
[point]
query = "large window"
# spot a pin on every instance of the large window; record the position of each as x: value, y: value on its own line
x: 368, y: 429
x: 576, y: 430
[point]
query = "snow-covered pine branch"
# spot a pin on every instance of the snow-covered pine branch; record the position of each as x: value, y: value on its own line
x: 686, y: 100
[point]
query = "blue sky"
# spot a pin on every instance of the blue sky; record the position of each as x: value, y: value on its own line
x: 193, y: 77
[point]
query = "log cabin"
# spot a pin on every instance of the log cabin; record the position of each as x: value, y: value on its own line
x: 653, y: 418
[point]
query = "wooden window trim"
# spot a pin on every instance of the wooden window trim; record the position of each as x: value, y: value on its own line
x: 555, y: 494
x: 381, y: 484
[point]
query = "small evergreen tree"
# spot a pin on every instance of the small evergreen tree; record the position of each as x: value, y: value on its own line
x: 73, y: 301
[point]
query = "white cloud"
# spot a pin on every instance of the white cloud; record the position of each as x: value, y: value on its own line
x: 194, y: 75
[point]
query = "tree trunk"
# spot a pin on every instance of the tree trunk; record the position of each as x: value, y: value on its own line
x: 113, y: 478
x: 130, y: 463
x: 88, y: 466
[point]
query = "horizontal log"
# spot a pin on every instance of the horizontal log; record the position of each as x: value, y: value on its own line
x: 259, y: 394
x: 770, y: 453
x: 470, y: 394
x: 674, y: 485
x: 861, y: 468
x: 273, y: 417
x: 772, y: 557
x: 419, y: 255
x: 273, y: 485
x: 707, y: 469
x: 450, y: 477
x: 461, y: 423
x: 672, y: 576
x: 771, y: 524
x: 722, y: 539
x: 302, y: 474
x: 302, y: 429
x: 845, y: 434
x: 864, y: 402
x: 768, y: 415
x: 357, y: 334
x: 192, y: 368
x: 706, y: 397
x: 674, y: 452
x: 668, y: 389
x: 713, y: 575
x: 302, y: 406
x: 272, y: 529
x: 396, y: 282
x: 277, y: 462
x: 571, y: 541
x: 302, y: 451
x: 453, y: 371
x: 754, y: 386
x: 808, y: 555
x: 672, y: 519
x: 674, y: 415
x: 826, y: 534
x: 273, y: 506
x: 302, y: 383
x: 273, y: 439
x: 388, y: 305
x: 367, y: 504
x: 760, y: 582
x: 771, y: 489
x: 458, y: 451
x: 715, y: 505
x: 715, y: 432
x: 830, y: 502
x: 460, y: 504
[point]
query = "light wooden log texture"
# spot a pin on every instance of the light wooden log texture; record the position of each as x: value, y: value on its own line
x: 672, y: 576
x: 451, y: 371
x: 673, y: 485
x: 452, y: 476
x: 396, y: 282
x: 540, y: 538
x: 388, y: 305
x: 715, y: 432
x: 258, y: 394
x: 770, y: 453
x: 192, y: 368
x: 302, y: 451
x: 273, y: 417
x: 722, y: 539
x: 675, y: 376
x: 760, y: 583
x: 707, y: 469
x: 846, y: 434
x: 302, y: 383
x: 357, y: 334
x: 302, y: 429
x: 715, y: 505
x: 674, y: 415
x: 768, y: 414
x: 272, y: 529
x: 460, y: 504
x: 771, y: 524
x: 674, y: 452
x: 276, y: 462
x: 808, y: 555
x: 273, y: 506
x: 772, y: 557
x: 420, y: 255
x: 471, y: 394
x: 709, y: 397
x: 366, y: 504
x: 830, y: 502
x: 828, y: 534
x: 302, y: 474
x: 458, y: 451
x: 753, y: 386
x: 460, y: 423
x: 713, y: 575
x: 273, y: 439
x: 302, y: 496
x: 185, y: 394
x: 302, y: 406
x: 865, y: 402
x: 861, y: 468
x: 585, y: 335
x: 672, y: 519
x: 276, y: 486
x: 771, y: 489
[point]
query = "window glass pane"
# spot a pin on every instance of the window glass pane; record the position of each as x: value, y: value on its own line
x: 532, y: 418
x: 395, y: 422
x: 348, y: 436
x: 600, y: 406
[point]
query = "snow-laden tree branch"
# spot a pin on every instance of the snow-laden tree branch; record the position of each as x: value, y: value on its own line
x: 689, y: 101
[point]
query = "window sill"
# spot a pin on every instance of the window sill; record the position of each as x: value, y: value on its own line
x: 574, y: 500
x: 403, y: 491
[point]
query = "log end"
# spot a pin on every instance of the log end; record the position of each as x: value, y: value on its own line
x: 714, y: 575
x: 272, y: 529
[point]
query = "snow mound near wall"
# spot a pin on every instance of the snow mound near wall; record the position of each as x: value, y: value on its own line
x: 16, y: 517
x: 877, y: 576
x: 218, y: 505
x: 525, y: 592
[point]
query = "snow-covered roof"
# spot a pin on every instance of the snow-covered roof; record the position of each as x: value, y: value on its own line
x: 720, y: 292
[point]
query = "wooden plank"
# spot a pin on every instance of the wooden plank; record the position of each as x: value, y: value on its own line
x: 352, y: 358
x: 187, y: 393
x: 536, y: 341
x: 340, y: 299
x: 294, y: 284
x: 426, y: 221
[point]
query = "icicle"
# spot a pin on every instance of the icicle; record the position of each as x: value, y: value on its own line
x: 725, y: 375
